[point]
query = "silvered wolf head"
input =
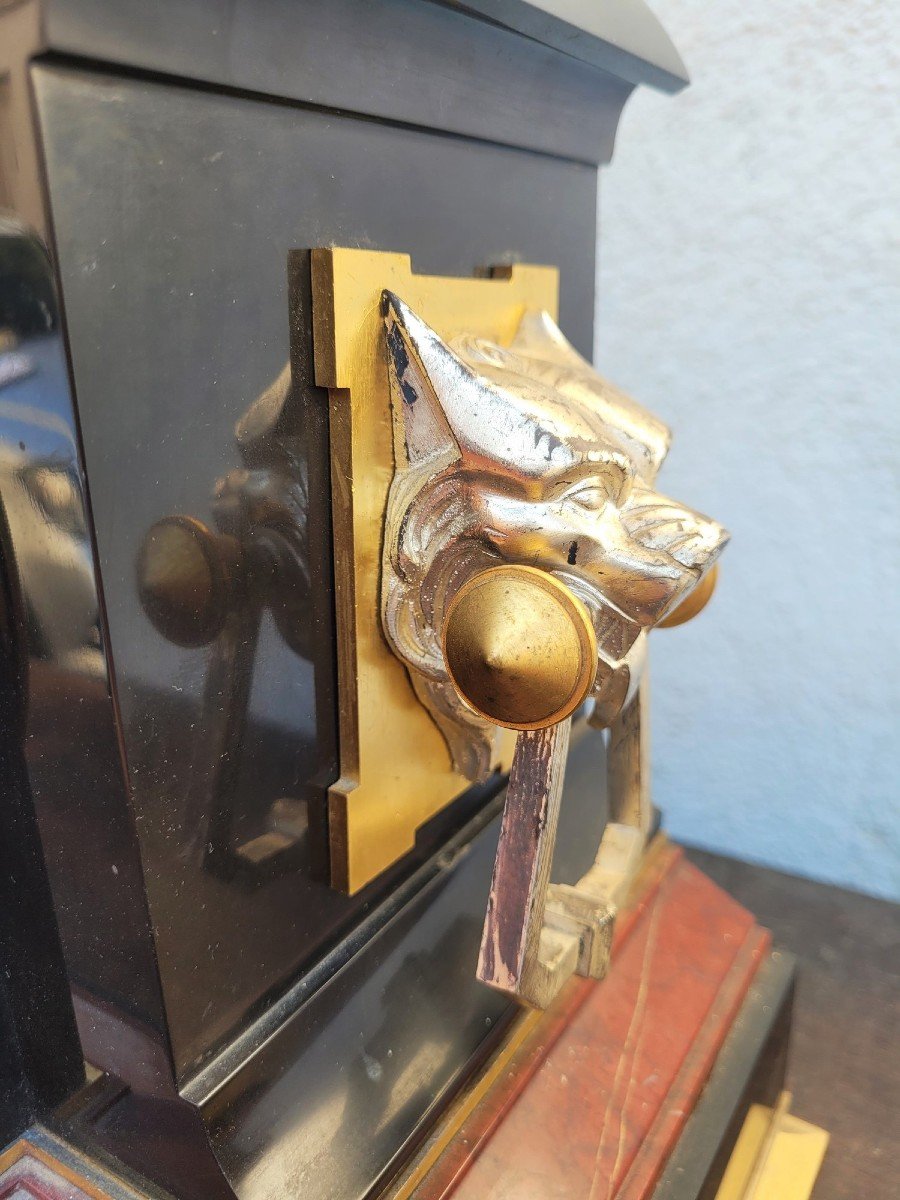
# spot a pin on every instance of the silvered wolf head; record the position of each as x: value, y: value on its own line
x: 524, y: 454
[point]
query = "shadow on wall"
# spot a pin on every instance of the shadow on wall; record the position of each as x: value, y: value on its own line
x: 749, y: 291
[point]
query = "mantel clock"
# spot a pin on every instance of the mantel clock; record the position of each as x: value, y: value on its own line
x: 328, y: 567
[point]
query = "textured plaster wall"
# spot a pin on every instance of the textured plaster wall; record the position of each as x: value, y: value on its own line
x: 749, y: 291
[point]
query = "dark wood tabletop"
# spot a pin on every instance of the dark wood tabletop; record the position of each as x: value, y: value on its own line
x: 844, y: 1067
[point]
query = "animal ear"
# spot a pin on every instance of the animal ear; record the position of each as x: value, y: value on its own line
x: 538, y: 336
x: 643, y: 435
x: 420, y: 366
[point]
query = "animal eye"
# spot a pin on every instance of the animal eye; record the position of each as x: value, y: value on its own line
x: 590, y: 495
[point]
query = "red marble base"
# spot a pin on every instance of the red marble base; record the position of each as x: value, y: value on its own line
x: 594, y: 1104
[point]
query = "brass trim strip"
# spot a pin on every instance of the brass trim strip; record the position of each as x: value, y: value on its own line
x: 777, y: 1156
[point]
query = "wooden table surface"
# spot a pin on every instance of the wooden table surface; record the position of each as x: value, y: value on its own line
x: 844, y: 1069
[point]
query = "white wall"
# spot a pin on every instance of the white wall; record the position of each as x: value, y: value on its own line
x: 749, y: 292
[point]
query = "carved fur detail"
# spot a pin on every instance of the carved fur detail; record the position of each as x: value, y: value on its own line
x: 524, y: 454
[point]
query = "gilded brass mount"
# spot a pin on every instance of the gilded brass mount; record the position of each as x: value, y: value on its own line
x: 525, y: 553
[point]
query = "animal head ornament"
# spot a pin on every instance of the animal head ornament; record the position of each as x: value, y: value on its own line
x: 523, y: 454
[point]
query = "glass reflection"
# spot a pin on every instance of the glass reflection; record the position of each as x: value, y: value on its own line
x: 53, y: 641
x: 40, y: 484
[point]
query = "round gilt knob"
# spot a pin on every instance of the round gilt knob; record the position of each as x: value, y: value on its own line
x: 520, y: 647
x: 693, y: 603
x: 185, y: 572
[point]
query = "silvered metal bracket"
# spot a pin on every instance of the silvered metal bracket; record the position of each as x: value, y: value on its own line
x: 537, y: 934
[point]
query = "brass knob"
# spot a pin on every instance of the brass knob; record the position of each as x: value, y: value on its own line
x: 693, y: 603
x: 185, y: 573
x: 520, y: 647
